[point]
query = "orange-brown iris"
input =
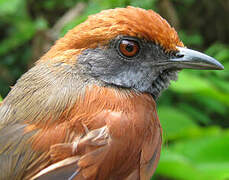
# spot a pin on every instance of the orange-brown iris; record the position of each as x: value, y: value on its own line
x: 128, y: 48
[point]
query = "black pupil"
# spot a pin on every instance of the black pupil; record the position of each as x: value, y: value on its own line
x: 129, y: 47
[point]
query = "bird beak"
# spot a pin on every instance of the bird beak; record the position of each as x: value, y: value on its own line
x: 190, y: 59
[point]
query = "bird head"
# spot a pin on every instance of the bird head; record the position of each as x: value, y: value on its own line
x: 129, y: 48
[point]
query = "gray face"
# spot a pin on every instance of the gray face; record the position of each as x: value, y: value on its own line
x: 140, y: 72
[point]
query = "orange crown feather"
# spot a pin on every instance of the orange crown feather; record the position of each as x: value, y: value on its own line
x: 100, y: 28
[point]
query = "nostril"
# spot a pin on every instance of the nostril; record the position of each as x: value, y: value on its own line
x: 179, y: 55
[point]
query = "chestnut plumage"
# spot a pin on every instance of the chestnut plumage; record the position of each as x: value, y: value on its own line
x: 87, y: 109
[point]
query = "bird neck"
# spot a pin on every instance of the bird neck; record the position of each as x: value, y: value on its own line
x: 46, y: 96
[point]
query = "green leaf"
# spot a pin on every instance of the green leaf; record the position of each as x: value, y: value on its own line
x: 210, y: 105
x: 191, y: 39
x: 220, y: 83
x: 191, y: 84
x: 146, y: 4
x: 176, y: 166
x: 203, y: 157
x: 195, y: 113
x: 9, y: 7
x: 174, y: 122
x: 219, y: 51
x: 24, y: 31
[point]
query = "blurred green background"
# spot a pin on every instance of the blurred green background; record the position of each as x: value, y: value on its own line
x: 194, y: 111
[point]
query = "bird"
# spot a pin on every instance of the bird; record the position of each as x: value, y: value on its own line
x: 87, y: 109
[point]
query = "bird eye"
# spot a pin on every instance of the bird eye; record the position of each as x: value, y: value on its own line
x: 128, y: 48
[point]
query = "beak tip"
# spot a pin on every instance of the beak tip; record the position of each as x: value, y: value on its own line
x: 218, y: 66
x: 221, y: 67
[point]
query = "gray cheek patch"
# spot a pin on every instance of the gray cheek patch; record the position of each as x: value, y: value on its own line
x: 140, y: 74
x: 96, y: 62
